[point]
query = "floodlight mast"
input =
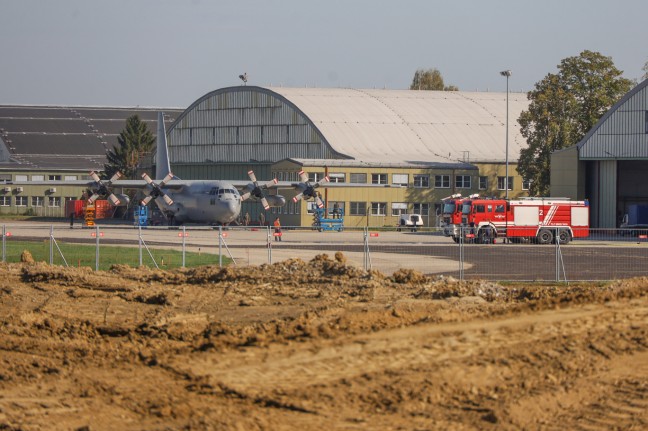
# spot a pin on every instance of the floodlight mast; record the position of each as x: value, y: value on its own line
x: 508, y: 74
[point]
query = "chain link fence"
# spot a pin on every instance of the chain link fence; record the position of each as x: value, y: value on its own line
x: 597, y: 255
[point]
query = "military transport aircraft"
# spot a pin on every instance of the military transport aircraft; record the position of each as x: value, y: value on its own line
x: 196, y: 201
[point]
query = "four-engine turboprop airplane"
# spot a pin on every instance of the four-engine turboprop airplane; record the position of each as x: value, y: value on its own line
x: 194, y: 201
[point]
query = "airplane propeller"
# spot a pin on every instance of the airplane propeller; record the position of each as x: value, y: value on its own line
x: 103, y: 188
x: 308, y: 190
x: 156, y: 189
x: 255, y: 190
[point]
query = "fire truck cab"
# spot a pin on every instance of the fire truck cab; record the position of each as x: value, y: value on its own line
x: 450, y: 213
x: 533, y: 220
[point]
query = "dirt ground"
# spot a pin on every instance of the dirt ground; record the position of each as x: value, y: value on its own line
x: 316, y: 345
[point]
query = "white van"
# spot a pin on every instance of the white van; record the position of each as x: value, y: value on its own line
x: 410, y: 221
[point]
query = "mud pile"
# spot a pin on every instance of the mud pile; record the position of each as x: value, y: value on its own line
x: 317, y: 344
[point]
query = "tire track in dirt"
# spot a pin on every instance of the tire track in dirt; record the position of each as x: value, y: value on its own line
x: 321, y: 363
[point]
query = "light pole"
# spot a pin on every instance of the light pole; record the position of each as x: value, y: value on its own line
x: 507, y: 73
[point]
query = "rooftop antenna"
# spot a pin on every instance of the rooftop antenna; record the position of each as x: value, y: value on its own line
x: 244, y: 78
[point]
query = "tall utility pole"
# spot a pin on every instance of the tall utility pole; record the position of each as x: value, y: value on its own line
x: 508, y: 74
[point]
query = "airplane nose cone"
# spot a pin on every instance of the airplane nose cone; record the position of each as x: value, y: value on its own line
x: 233, y: 209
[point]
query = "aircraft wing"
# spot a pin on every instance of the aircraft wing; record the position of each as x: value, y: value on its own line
x: 296, y: 185
x: 125, y: 184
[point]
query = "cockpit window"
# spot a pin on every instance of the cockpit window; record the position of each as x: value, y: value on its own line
x: 228, y: 193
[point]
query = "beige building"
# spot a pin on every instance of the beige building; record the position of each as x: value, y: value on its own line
x: 420, y: 146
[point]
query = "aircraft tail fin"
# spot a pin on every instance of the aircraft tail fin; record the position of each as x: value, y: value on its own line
x: 162, y: 168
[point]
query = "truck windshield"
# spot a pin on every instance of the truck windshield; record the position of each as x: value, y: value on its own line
x: 449, y: 208
x: 465, y: 209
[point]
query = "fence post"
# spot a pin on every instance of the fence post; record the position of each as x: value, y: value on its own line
x: 51, y: 250
x: 139, y: 237
x: 220, y: 246
x: 269, y: 242
x: 184, y: 248
x: 97, y: 248
x: 462, y: 256
x: 365, y: 254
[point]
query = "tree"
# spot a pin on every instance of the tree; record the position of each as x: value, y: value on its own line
x: 563, y: 108
x: 645, y: 69
x: 430, y: 79
x: 135, y: 142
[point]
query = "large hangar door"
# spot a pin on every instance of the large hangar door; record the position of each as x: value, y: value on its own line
x: 633, y: 185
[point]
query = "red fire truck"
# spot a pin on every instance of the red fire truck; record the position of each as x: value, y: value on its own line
x: 451, y: 212
x: 534, y: 220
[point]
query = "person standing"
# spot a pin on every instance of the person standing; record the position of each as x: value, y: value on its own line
x: 277, y: 229
x: 336, y: 210
x: 246, y: 219
x: 261, y: 219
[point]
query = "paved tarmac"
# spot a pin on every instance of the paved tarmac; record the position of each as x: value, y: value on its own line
x: 599, y: 257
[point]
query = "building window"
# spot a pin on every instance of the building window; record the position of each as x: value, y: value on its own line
x: 421, y: 181
x: 526, y: 184
x: 378, y: 208
x: 462, y: 181
x: 53, y: 178
x: 311, y: 207
x: 399, y: 208
x: 314, y: 177
x: 421, y: 209
x: 501, y: 183
x: 5, y: 177
x: 400, y: 179
x: 37, y: 177
x: 357, y: 208
x: 21, y: 177
x: 54, y: 201
x: 442, y: 181
x: 70, y: 178
x: 378, y: 178
x: 5, y: 201
x: 483, y: 183
x: 358, y: 178
x: 21, y: 201
x: 337, y: 177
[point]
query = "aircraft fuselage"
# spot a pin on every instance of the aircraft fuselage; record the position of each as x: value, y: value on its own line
x: 203, y: 202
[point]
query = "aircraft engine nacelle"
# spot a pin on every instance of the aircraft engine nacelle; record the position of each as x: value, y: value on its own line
x: 124, y: 200
x: 276, y: 200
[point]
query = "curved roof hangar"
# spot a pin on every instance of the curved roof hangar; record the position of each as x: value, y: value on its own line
x: 395, y: 126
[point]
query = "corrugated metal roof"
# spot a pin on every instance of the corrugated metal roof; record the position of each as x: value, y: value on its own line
x: 66, y: 136
x: 408, y: 126
x: 622, y: 133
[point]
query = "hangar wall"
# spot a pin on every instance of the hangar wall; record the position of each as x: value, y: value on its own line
x: 241, y: 126
x: 611, y: 161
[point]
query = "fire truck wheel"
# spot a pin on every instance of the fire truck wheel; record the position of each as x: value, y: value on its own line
x: 484, y: 238
x: 545, y: 236
x: 564, y: 237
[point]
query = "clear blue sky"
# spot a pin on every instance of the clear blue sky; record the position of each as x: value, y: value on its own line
x: 169, y: 53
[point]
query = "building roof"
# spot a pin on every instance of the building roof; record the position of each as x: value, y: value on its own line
x: 413, y: 127
x: 621, y: 133
x: 65, y: 137
x: 351, y: 163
